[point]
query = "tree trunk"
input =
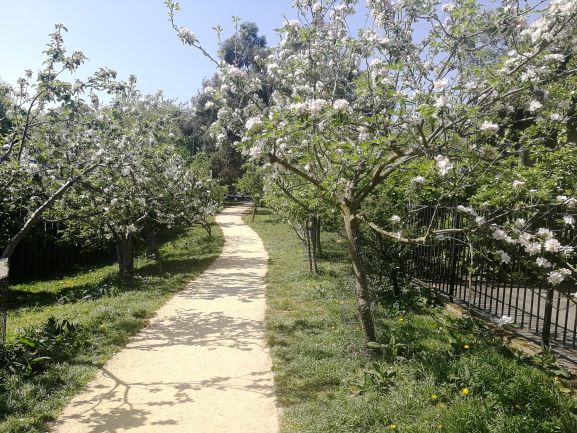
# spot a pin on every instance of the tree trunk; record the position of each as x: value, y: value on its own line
x: 254, y: 207
x: 154, y: 245
x: 313, y: 241
x: 307, y: 233
x: 318, y: 235
x: 125, y: 253
x: 362, y: 285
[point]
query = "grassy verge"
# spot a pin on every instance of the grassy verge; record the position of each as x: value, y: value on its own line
x: 51, y: 360
x: 433, y: 373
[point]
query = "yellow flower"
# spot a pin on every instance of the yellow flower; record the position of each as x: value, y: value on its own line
x: 434, y: 396
x: 466, y: 391
x: 401, y: 319
x: 466, y: 346
x: 393, y: 427
x: 333, y: 328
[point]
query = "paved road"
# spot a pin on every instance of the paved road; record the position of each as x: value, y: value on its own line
x: 202, y: 365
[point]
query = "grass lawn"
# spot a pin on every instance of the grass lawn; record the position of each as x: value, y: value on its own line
x: 432, y: 373
x: 56, y: 359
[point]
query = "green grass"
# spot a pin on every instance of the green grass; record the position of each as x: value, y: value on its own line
x: 106, y: 314
x: 328, y: 382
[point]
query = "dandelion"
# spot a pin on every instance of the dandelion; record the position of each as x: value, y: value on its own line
x: 466, y: 391
x: 392, y: 426
x: 434, y: 397
x: 466, y: 346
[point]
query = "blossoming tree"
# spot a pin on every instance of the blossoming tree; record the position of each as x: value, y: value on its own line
x: 422, y: 80
x: 144, y: 181
x: 46, y: 145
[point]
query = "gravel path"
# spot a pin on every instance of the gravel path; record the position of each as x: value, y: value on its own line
x: 202, y: 365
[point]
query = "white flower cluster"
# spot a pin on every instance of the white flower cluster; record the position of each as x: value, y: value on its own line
x: 444, y: 165
x: 253, y: 123
x: 504, y: 320
x: 505, y: 258
x: 313, y: 106
x: 489, y: 126
x: 186, y: 36
x: 558, y: 276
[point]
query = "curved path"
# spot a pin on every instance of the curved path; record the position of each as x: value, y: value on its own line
x: 202, y: 365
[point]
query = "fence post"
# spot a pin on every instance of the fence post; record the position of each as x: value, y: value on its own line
x: 548, y: 316
x: 4, y: 271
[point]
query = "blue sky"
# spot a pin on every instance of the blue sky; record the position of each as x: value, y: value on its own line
x: 129, y: 36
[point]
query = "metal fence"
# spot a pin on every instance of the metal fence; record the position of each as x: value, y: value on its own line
x: 467, y: 271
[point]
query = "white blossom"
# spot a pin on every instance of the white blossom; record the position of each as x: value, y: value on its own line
x: 543, y: 262
x: 532, y: 248
x: 504, y: 320
x: 253, y: 123
x: 505, y: 258
x: 552, y: 245
x: 186, y: 36
x: 545, y: 233
x: 556, y: 277
x: 555, y: 117
x: 448, y: 7
x: 443, y: 164
x: 316, y: 105
x: 440, y: 85
x: 534, y: 105
x: 569, y: 220
x: 517, y: 184
x: 499, y: 234
x: 442, y: 101
x: 489, y: 126
x: 341, y: 104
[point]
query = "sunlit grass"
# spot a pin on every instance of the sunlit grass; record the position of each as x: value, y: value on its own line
x: 433, y: 373
x: 107, y: 315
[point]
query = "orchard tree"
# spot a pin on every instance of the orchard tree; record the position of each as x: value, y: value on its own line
x: 144, y: 182
x: 46, y: 141
x: 252, y: 183
x: 421, y: 80
x: 243, y: 51
x: 300, y: 205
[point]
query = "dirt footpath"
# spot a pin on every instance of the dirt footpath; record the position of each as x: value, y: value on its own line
x: 202, y: 365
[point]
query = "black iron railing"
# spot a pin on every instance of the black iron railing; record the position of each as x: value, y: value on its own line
x: 465, y: 268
